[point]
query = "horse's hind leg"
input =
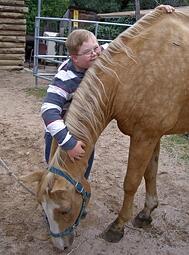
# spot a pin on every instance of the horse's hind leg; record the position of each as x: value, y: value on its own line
x: 141, y: 150
x: 151, y: 201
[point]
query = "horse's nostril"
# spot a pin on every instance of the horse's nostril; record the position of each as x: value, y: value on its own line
x: 65, y: 247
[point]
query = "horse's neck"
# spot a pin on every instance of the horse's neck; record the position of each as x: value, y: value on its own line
x: 89, y: 112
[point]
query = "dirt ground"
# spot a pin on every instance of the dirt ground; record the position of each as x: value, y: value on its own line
x: 22, y: 225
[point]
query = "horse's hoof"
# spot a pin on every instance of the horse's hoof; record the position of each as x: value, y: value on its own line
x: 113, y: 235
x: 141, y: 220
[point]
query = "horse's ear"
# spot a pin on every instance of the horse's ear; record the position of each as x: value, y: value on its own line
x: 58, y: 193
x: 34, y: 177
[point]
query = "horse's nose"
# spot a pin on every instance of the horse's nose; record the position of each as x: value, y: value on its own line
x: 59, y: 243
x: 67, y: 250
x: 68, y: 240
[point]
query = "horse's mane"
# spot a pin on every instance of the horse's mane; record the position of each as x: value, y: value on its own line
x: 88, y: 105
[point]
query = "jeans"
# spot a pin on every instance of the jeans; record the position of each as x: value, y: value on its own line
x: 48, y: 142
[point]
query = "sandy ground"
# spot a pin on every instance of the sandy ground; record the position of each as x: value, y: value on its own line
x: 22, y: 225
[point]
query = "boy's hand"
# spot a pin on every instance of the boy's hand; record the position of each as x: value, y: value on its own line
x: 77, y: 152
x: 167, y: 8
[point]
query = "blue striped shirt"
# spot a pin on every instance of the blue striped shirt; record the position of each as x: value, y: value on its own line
x: 56, y: 103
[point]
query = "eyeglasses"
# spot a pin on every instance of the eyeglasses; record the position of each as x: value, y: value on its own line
x: 89, y: 52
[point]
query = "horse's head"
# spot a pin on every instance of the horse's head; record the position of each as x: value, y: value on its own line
x: 63, y: 201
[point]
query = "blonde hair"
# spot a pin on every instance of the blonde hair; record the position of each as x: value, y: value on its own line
x: 76, y: 39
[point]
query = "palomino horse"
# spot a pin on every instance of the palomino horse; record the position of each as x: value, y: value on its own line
x: 141, y: 81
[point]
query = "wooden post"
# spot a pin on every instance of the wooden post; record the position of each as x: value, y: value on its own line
x: 12, y: 34
x: 137, y: 9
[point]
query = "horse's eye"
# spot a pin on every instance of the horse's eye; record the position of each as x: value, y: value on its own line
x: 63, y: 212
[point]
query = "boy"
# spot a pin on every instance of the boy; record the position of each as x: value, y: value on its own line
x: 83, y: 49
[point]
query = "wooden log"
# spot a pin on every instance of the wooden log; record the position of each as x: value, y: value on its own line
x: 12, y: 57
x: 12, y: 2
x: 12, y: 50
x: 12, y: 15
x: 12, y: 38
x: 15, y: 33
x: 11, y: 68
x: 12, y: 34
x: 13, y: 9
x: 11, y: 45
x: 11, y: 62
x: 12, y: 21
x: 12, y: 27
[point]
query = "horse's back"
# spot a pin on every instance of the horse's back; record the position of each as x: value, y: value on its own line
x: 155, y: 87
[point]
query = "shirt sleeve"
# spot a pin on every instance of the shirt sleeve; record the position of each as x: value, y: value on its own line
x: 52, y: 109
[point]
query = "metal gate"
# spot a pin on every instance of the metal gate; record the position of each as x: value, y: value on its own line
x: 54, y: 39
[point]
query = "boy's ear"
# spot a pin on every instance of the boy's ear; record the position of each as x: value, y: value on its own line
x: 74, y: 58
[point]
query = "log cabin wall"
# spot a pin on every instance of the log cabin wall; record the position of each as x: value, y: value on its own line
x: 12, y: 34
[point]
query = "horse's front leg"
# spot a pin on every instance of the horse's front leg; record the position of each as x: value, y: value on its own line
x: 151, y: 201
x: 140, y: 153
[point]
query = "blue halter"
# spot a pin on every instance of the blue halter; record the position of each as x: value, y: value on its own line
x: 80, y: 189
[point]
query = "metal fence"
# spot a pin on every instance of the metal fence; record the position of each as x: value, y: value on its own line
x: 56, y: 59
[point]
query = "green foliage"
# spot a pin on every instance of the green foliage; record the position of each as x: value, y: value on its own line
x: 98, y: 5
x: 37, y: 92
x: 118, y: 5
x: 55, y: 8
x: 177, y: 146
x: 110, y: 31
x: 30, y: 16
x: 150, y: 4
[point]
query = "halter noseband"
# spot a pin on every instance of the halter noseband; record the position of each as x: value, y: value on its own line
x: 80, y: 189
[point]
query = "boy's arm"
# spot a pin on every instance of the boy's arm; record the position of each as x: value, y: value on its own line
x: 52, y: 116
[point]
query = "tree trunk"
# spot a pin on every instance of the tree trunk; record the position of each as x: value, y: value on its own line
x: 11, y: 45
x: 13, y: 9
x: 12, y: 27
x: 14, y: 33
x: 12, y: 21
x: 12, y: 51
x: 14, y: 39
x: 12, y: 2
x: 11, y: 62
x: 12, y: 15
x: 11, y: 68
x: 11, y: 57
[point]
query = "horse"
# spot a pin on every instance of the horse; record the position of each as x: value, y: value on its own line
x: 142, y: 81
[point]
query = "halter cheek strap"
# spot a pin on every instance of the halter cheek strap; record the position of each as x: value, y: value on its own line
x: 80, y: 189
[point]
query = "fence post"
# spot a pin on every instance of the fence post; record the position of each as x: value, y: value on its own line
x: 137, y: 9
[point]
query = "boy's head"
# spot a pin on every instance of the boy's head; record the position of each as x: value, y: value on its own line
x: 83, y: 48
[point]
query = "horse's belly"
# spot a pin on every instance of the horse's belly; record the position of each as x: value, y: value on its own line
x: 182, y: 124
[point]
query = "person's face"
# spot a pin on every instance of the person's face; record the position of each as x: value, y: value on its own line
x: 87, y: 53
